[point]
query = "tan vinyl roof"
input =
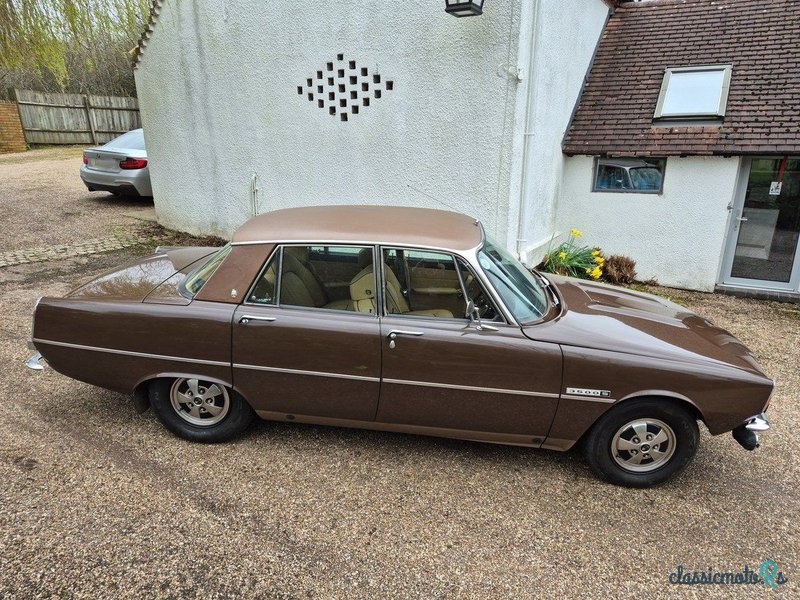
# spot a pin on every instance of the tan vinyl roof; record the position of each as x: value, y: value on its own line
x: 369, y: 224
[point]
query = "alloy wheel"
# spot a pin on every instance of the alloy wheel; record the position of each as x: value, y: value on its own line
x: 201, y: 403
x: 643, y: 445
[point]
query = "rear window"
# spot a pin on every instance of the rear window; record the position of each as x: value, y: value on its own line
x: 133, y: 140
x: 195, y: 282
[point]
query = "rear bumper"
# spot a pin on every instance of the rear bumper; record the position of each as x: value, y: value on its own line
x: 747, y: 433
x: 134, y: 182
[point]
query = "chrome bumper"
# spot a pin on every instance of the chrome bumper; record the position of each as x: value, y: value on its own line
x: 34, y: 362
x: 758, y: 423
x: 747, y: 433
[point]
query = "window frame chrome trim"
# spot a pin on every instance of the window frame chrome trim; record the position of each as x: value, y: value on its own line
x: 199, y: 361
x: 471, y: 261
x: 279, y: 247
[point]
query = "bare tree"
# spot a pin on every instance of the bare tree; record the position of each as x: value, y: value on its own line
x: 69, y: 45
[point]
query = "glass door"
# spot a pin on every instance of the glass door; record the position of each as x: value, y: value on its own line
x: 763, y: 247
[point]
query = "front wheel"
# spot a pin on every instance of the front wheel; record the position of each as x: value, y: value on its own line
x: 642, y: 443
x: 199, y: 410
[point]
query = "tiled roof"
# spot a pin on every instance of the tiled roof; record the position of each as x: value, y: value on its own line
x: 138, y: 50
x: 760, y: 38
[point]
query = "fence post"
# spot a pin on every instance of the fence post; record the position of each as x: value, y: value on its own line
x: 87, y: 105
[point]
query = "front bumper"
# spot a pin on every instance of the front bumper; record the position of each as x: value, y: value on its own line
x: 34, y: 362
x: 747, y: 433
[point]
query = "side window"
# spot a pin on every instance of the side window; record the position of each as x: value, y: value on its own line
x: 264, y: 290
x: 644, y: 176
x: 328, y: 277
x: 422, y: 283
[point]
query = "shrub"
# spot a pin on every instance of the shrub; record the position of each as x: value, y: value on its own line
x: 573, y: 260
x: 620, y: 270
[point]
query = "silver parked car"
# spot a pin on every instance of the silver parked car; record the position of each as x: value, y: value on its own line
x: 119, y: 167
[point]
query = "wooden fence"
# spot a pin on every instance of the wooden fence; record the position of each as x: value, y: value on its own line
x: 74, y: 118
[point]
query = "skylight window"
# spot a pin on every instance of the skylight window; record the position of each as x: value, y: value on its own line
x: 694, y: 92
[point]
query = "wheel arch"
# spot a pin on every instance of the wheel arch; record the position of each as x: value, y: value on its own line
x: 141, y: 396
x: 663, y: 395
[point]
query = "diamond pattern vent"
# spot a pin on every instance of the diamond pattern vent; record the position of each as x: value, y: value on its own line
x: 344, y: 88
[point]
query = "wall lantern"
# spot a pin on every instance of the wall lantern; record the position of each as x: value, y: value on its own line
x: 460, y: 8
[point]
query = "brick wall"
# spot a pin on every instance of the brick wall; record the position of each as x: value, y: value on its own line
x: 12, y: 139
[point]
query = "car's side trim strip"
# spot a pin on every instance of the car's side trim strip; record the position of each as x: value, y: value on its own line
x: 589, y: 398
x: 471, y: 388
x: 199, y: 361
x: 304, y: 372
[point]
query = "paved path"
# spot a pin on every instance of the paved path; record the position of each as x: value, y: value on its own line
x: 45, y: 253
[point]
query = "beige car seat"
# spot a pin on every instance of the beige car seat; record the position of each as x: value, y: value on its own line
x: 300, y: 287
x: 363, y: 296
x: 362, y: 291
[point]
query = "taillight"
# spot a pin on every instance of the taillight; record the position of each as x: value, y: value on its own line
x: 85, y: 159
x: 133, y: 163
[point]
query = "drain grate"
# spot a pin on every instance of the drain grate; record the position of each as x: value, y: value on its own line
x: 342, y: 87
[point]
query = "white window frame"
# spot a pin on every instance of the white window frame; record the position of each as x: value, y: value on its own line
x: 723, y: 96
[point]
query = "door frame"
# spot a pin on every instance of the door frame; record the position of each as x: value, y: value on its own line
x: 732, y: 239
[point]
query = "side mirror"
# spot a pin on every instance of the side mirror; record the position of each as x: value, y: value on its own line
x: 474, y: 315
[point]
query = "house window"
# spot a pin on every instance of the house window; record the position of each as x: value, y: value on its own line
x: 644, y: 176
x: 694, y: 92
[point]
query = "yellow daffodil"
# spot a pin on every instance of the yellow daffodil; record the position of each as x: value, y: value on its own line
x: 589, y: 271
x: 576, y: 233
x: 596, y: 273
x: 596, y: 253
x: 562, y: 255
x: 599, y: 260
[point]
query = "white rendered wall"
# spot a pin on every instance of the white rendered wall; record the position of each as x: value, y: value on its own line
x: 217, y: 87
x: 565, y: 34
x: 676, y: 237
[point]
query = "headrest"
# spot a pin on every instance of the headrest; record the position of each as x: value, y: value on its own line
x: 365, y: 257
x: 291, y: 264
x: 298, y: 252
x: 362, y: 286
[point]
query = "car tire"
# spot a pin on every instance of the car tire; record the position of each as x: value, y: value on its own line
x: 169, y: 400
x: 642, y: 443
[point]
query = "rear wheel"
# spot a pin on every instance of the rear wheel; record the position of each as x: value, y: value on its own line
x: 642, y: 443
x: 199, y: 410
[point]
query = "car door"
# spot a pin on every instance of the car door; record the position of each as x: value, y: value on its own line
x: 440, y: 371
x: 297, y: 353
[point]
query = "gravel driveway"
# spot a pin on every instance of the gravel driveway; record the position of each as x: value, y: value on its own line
x: 97, y: 501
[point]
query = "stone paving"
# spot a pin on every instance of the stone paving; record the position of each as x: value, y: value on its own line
x: 45, y: 253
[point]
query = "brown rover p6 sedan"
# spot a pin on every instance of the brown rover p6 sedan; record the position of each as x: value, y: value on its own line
x: 408, y: 320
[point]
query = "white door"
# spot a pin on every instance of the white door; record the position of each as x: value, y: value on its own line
x: 762, y: 248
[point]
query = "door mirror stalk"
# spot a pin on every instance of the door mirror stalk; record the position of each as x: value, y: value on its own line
x: 474, y: 315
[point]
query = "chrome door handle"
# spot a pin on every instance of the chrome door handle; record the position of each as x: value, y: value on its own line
x: 741, y: 219
x: 395, y: 332
x: 392, y: 335
x: 247, y: 318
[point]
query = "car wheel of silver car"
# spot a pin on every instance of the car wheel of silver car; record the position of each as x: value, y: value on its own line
x: 642, y: 443
x: 199, y: 410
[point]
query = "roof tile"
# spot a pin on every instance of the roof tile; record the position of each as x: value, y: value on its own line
x: 759, y: 38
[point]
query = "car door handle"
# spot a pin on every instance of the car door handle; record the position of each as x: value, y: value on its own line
x: 247, y: 318
x: 392, y: 335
